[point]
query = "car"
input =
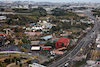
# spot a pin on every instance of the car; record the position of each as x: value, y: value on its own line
x: 66, y: 64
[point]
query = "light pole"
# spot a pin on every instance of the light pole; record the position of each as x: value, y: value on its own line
x: 54, y: 58
x: 54, y: 61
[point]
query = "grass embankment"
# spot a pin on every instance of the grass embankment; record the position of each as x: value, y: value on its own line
x: 79, y: 63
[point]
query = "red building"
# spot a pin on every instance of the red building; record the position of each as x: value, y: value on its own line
x: 62, y: 42
x: 46, y: 47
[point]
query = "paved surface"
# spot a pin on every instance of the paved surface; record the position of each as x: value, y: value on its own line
x: 85, y: 41
x: 10, y: 52
x: 10, y: 64
x: 10, y: 48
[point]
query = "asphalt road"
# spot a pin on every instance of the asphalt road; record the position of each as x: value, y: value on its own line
x: 85, y: 41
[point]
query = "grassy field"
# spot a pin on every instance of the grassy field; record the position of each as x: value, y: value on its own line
x: 43, y: 18
x: 79, y: 63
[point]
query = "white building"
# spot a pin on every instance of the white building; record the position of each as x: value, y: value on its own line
x: 28, y: 28
x: 35, y: 65
x: 98, y: 46
x: 65, y: 20
x: 25, y: 6
x: 34, y: 7
x: 98, y: 39
x: 87, y: 21
x: 35, y: 48
x: 38, y: 27
x: 3, y: 17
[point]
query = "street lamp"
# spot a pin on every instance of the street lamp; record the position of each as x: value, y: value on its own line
x: 53, y: 53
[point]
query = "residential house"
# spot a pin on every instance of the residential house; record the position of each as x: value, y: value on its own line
x: 2, y: 35
x: 38, y: 27
x: 47, y: 25
x: 33, y: 33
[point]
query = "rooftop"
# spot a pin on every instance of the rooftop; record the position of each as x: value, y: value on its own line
x: 35, y: 42
x: 98, y: 36
x: 2, y: 34
x: 47, y: 37
x: 63, y: 39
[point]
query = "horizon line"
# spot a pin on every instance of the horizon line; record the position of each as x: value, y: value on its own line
x: 48, y: 1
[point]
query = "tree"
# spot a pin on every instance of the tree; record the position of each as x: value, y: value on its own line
x: 9, y: 21
x: 2, y: 9
x: 18, y: 30
x: 62, y: 12
x: 22, y: 49
x: 55, y: 28
x: 1, y: 64
x: 70, y: 37
x: 48, y: 43
x: 66, y: 25
x: 26, y: 47
x: 19, y: 44
x: 7, y: 61
x: 16, y: 63
x: 18, y: 59
x: 29, y: 62
x: 14, y: 57
x: 30, y: 6
x: 13, y: 60
x: 53, y: 44
x: 38, y: 12
x: 24, y: 40
x: 20, y: 64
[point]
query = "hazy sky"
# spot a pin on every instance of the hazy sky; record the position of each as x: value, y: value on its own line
x: 93, y: 1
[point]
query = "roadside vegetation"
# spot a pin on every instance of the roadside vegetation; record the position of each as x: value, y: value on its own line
x: 96, y: 12
x: 79, y: 63
x: 11, y: 60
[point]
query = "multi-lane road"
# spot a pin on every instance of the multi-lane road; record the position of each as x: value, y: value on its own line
x: 84, y: 42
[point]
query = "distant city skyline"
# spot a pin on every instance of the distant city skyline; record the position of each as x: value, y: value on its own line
x: 93, y: 1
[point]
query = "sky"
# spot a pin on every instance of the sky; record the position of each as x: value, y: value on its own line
x: 93, y: 1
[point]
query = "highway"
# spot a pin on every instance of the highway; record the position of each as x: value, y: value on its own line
x: 84, y: 42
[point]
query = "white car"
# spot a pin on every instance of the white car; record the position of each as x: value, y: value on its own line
x: 66, y: 64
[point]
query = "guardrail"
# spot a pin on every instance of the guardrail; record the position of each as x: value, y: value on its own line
x: 11, y: 52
